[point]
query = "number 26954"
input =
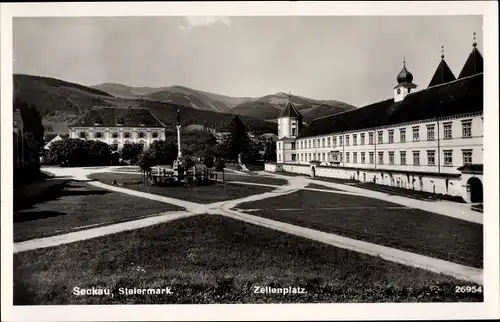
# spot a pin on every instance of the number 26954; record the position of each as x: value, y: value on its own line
x: 468, y: 289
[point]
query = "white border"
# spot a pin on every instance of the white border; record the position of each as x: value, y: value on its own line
x: 488, y: 309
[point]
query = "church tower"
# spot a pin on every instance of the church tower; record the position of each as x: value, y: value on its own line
x: 289, y: 126
x: 405, y: 85
x: 289, y: 121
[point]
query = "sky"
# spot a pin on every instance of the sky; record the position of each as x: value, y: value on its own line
x: 346, y: 58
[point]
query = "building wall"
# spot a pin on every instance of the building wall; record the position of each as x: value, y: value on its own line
x: 321, y: 148
x: 452, y: 185
x: 107, y: 134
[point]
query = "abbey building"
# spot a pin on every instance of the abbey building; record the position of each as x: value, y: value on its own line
x: 429, y: 139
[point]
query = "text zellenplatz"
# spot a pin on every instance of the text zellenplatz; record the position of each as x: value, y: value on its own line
x: 279, y: 290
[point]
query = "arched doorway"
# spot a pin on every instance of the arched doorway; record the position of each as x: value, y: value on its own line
x: 475, y: 189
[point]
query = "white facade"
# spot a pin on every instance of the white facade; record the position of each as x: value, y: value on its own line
x: 118, y: 136
x: 288, y: 128
x: 395, y: 147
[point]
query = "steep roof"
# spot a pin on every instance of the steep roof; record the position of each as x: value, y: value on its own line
x: 453, y: 98
x: 290, y: 111
x: 442, y: 75
x: 115, y: 116
x: 49, y: 137
x: 473, y: 65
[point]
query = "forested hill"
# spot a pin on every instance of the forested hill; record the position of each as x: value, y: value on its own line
x: 60, y: 103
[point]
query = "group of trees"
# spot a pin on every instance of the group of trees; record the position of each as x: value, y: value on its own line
x: 27, y: 143
x: 76, y: 152
x: 196, y: 146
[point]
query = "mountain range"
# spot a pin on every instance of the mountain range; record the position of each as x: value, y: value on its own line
x: 265, y: 107
x: 60, y: 102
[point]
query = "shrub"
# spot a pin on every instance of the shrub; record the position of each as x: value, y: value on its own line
x: 131, y: 152
x: 220, y: 164
x: 76, y: 152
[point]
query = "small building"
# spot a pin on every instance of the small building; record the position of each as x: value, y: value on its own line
x: 50, y: 138
x: 118, y: 126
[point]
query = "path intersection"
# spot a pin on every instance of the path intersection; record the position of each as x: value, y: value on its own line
x: 294, y: 208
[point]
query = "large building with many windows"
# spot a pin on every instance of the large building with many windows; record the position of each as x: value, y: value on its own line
x: 429, y: 139
x: 118, y: 126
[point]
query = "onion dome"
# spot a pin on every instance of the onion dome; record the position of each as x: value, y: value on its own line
x: 404, y: 75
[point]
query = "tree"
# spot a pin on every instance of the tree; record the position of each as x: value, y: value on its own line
x: 163, y: 152
x: 252, y: 155
x: 270, y: 151
x: 220, y: 164
x: 146, y: 161
x: 131, y: 152
x: 239, y: 142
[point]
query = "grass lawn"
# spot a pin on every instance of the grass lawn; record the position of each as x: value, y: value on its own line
x: 381, y: 222
x: 127, y: 169
x: 213, y: 259
x: 79, y: 205
x: 200, y: 194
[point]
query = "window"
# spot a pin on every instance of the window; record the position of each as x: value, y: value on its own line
x: 416, y: 157
x: 431, y: 157
x: 323, y: 156
x: 347, y: 140
x: 294, y: 157
x: 347, y: 157
x: 354, y: 139
x: 447, y: 131
x: 98, y: 135
x: 98, y: 121
x: 126, y: 135
x: 293, y: 145
x: 380, y: 136
x: 416, y: 133
x: 279, y: 157
x: 340, y: 140
x: 354, y: 157
x: 115, y: 135
x: 467, y: 129
x: 362, y: 157
x: 329, y: 141
x: 391, y: 136
x: 119, y: 120
x: 391, y: 157
x: 402, y: 155
x: 323, y: 142
x: 310, y: 157
x: 341, y: 157
x: 155, y: 135
x: 83, y: 135
x: 372, y: 158
x: 362, y: 138
x: 381, y: 158
x: 370, y: 138
x: 141, y: 135
x: 448, y: 158
x: 294, y: 132
x: 313, y: 143
x: 402, y: 135
x: 467, y: 156
x: 430, y: 133
x: 318, y: 144
x: 334, y: 141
